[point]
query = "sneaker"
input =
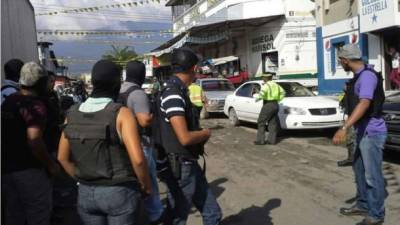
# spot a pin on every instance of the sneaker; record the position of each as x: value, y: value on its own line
x: 344, y: 163
x: 353, y: 211
x: 371, y: 221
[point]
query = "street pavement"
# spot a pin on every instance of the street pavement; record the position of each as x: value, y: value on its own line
x: 296, y: 182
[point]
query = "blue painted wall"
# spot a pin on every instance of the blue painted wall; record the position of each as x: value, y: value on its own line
x: 325, y: 87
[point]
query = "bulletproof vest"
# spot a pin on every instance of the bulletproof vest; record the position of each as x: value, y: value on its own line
x: 16, y: 154
x: 97, y: 151
x: 351, y: 100
x: 166, y: 137
x: 123, y: 99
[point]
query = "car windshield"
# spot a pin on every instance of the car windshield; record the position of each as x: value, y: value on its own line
x: 217, y: 85
x: 293, y: 89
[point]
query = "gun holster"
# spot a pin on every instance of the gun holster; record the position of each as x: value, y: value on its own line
x: 175, y: 163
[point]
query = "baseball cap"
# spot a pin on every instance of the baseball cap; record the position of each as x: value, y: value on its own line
x: 349, y: 51
x: 31, y: 72
x: 266, y: 75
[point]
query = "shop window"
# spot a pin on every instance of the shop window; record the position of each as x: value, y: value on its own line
x: 270, y: 63
x: 337, y: 43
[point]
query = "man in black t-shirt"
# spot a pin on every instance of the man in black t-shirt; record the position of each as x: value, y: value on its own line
x: 183, y: 142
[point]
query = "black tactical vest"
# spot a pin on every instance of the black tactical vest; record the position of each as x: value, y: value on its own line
x: 96, y: 148
x: 168, y: 138
x: 351, y: 100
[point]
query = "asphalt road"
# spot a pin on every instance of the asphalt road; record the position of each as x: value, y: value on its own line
x: 295, y: 182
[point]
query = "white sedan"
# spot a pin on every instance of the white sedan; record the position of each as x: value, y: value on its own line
x: 300, y: 109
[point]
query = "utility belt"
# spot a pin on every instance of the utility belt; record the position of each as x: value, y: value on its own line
x: 177, y: 160
x: 269, y: 101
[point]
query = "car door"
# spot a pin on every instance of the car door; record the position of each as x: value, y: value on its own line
x: 242, y: 100
x: 254, y: 107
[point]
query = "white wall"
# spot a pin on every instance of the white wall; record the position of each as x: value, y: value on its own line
x: 18, y: 31
x: 287, y: 48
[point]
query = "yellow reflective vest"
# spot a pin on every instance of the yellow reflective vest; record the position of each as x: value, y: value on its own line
x: 195, y: 94
x: 271, y: 91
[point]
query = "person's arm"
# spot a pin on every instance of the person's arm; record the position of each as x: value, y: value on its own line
x: 139, y: 103
x: 127, y: 127
x: 64, y: 156
x: 358, y: 113
x: 368, y: 85
x: 144, y: 119
x: 185, y: 136
x: 39, y: 149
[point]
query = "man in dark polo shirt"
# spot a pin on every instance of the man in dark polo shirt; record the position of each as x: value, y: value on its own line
x: 183, y: 142
x: 26, y: 164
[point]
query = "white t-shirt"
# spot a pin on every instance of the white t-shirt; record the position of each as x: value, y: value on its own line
x: 396, y: 61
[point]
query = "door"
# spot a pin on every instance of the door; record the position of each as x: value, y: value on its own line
x: 242, y: 100
x: 254, y: 106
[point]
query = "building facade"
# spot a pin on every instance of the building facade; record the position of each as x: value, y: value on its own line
x: 372, y: 24
x: 267, y: 36
x: 18, y: 31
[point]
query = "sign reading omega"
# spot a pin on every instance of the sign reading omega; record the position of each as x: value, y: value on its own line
x: 262, y: 43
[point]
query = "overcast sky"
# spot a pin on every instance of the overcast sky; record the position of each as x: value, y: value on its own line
x: 149, y: 16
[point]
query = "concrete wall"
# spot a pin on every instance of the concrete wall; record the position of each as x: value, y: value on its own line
x: 339, y: 10
x: 18, y: 32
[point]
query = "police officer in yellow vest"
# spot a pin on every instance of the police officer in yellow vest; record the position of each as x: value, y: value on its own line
x: 271, y: 93
x: 197, y: 98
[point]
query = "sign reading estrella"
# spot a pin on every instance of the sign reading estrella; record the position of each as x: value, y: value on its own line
x: 370, y: 7
x: 377, y: 14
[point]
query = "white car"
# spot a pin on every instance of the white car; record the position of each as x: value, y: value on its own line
x: 300, y: 109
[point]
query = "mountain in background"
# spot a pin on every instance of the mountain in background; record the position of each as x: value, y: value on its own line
x: 73, y: 50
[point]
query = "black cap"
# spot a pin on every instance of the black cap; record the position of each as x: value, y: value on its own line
x: 135, y: 72
x: 182, y: 59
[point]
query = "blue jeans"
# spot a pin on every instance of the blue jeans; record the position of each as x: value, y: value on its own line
x: 368, y: 173
x: 108, y: 205
x: 28, y: 197
x: 192, y: 188
x: 152, y: 204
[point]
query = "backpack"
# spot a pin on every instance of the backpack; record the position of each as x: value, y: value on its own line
x: 8, y: 86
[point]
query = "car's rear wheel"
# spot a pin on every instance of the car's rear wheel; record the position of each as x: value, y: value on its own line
x: 233, y: 117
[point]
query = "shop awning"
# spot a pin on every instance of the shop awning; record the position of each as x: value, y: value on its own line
x: 185, y: 37
x: 222, y: 60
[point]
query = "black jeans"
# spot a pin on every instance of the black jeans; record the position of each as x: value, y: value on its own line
x: 268, y: 114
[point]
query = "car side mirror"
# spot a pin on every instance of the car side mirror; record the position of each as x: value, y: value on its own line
x: 255, y: 95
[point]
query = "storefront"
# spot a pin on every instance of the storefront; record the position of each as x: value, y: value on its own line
x: 380, y: 21
x: 376, y: 29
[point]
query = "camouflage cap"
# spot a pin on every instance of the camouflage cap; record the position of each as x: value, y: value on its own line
x: 31, y: 72
x: 266, y: 75
x: 349, y: 51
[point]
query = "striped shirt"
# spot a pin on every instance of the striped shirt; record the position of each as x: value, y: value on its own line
x: 172, y: 101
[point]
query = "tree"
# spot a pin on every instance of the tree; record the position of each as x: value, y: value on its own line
x: 120, y: 55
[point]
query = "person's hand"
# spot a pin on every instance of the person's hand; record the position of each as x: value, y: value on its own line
x: 53, y: 169
x: 146, y: 191
x: 207, y: 133
x: 340, y: 137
